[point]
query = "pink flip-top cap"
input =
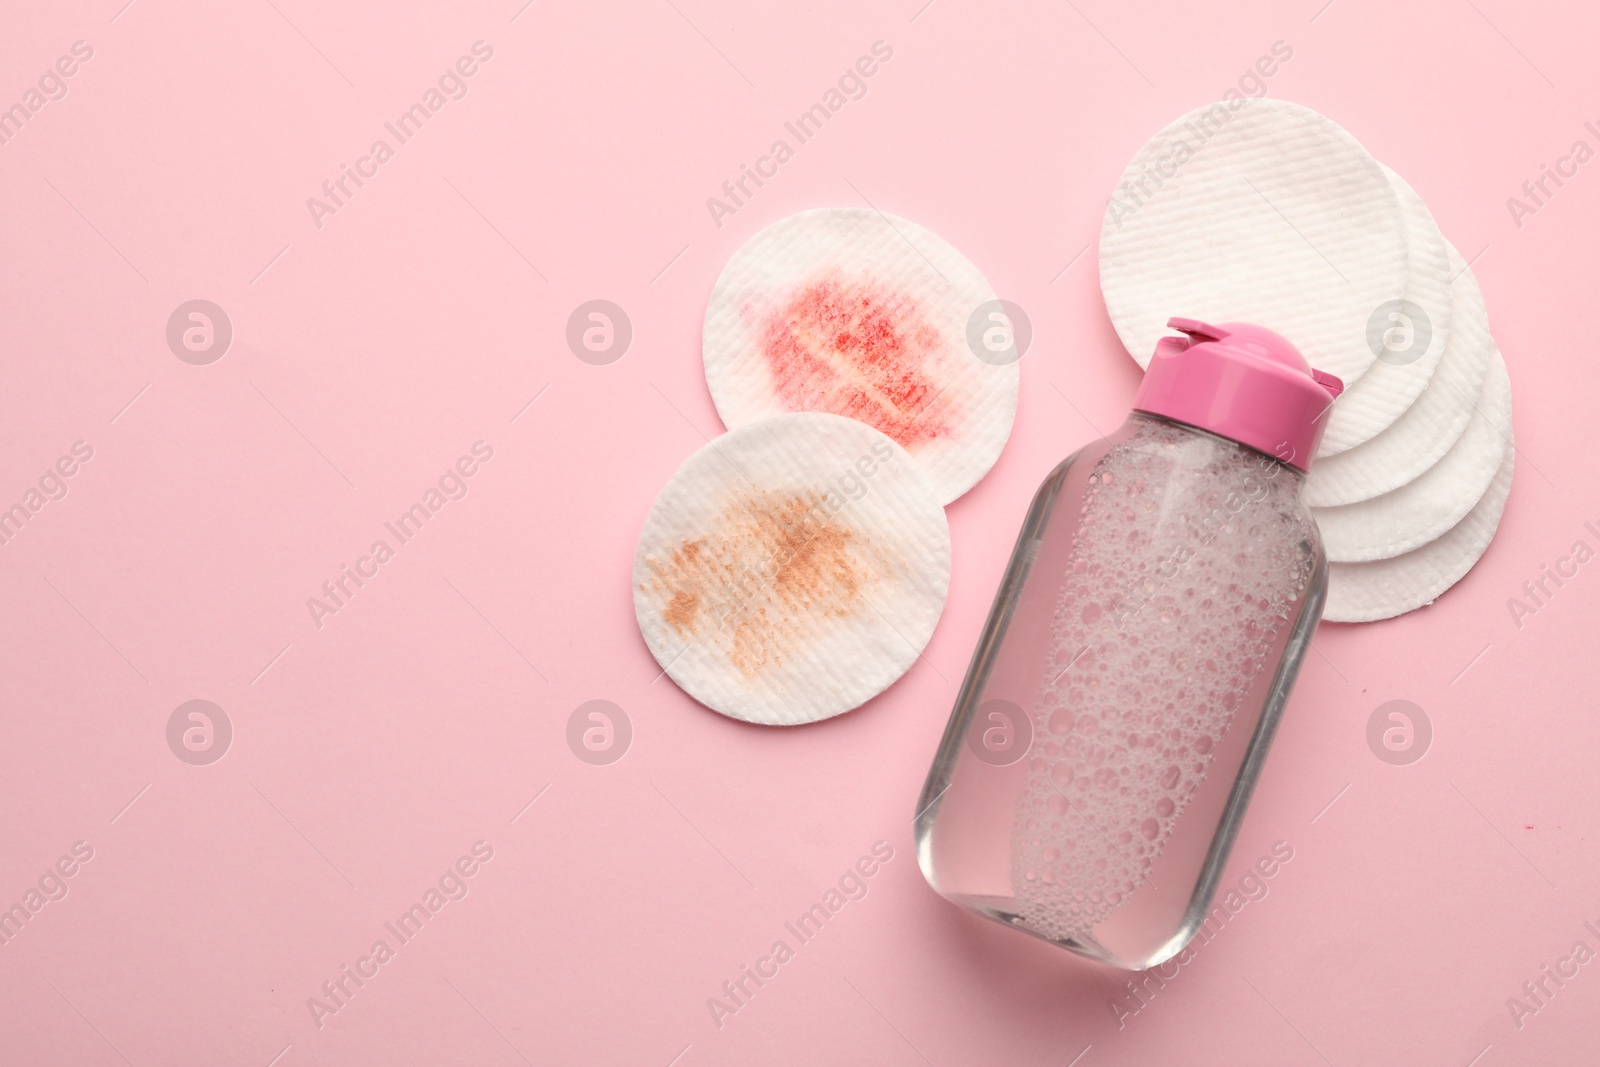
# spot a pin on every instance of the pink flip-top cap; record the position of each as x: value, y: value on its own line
x: 1242, y: 382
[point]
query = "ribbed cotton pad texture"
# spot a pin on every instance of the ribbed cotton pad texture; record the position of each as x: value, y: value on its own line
x: 1411, y: 339
x: 1425, y: 508
x: 792, y: 569
x: 1382, y: 589
x: 867, y: 315
x: 1267, y: 213
x: 1433, y: 422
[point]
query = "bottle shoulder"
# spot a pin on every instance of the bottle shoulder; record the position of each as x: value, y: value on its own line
x: 1169, y: 482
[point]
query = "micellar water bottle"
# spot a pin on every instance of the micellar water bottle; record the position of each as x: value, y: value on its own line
x: 1145, y: 636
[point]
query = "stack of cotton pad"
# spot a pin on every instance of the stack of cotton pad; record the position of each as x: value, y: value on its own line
x: 1267, y: 212
x: 795, y: 567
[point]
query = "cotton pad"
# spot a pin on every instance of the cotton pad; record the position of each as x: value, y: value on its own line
x: 867, y: 315
x: 1434, y: 421
x: 1423, y: 509
x: 1267, y: 213
x: 1366, y: 592
x: 792, y: 569
x: 1411, y: 337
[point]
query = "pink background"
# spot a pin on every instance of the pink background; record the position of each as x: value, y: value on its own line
x: 369, y: 354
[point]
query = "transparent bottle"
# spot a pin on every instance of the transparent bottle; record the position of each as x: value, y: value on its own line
x: 1139, y: 652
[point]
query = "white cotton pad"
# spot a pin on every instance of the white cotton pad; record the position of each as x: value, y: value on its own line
x: 1423, y: 509
x: 1366, y: 592
x: 792, y: 569
x: 1434, y: 421
x: 1410, y: 339
x: 1271, y: 214
x: 867, y: 315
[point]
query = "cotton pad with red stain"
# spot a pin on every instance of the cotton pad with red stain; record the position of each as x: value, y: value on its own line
x: 865, y: 315
x: 792, y: 569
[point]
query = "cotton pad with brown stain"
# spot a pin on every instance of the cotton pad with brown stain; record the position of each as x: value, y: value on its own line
x: 792, y: 569
x: 866, y: 315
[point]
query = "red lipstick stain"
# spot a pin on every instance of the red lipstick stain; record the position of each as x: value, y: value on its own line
x: 862, y: 350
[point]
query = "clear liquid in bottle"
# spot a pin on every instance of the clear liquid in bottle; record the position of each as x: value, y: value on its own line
x: 1123, y: 693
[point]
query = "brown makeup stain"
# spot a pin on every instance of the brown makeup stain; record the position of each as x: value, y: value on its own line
x: 763, y: 580
x: 681, y: 611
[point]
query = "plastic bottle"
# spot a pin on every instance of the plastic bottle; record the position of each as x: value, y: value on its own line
x: 1144, y: 639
